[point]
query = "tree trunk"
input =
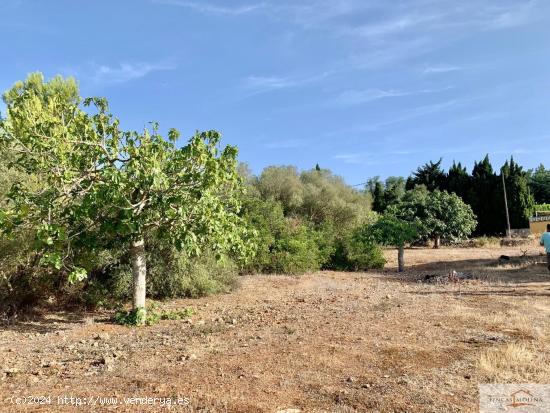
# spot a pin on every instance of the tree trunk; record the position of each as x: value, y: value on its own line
x: 139, y: 271
x: 401, y: 258
x: 437, y: 241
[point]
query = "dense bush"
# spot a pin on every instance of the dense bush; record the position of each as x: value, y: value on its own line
x: 360, y: 253
x: 284, y: 245
x: 307, y: 221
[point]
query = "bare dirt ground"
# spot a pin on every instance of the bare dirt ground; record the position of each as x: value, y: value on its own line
x: 324, y: 342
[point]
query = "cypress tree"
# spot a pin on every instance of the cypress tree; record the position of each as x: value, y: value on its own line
x: 458, y: 180
x: 430, y: 175
x: 486, y: 199
x: 520, y: 200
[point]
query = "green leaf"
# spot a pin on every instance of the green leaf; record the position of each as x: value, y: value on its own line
x: 77, y: 275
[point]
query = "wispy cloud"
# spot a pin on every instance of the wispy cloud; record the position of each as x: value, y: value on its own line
x: 367, y: 158
x: 125, y: 72
x: 436, y: 69
x: 513, y: 17
x: 266, y: 83
x: 254, y: 85
x: 286, y: 144
x: 356, y: 97
x: 350, y: 158
x: 207, y: 7
x: 396, y: 25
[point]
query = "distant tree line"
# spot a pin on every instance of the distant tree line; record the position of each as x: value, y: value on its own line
x: 482, y: 189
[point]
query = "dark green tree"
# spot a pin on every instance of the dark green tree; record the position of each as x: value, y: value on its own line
x: 437, y: 215
x: 539, y: 183
x: 520, y: 200
x: 378, y: 201
x: 458, y: 180
x: 430, y: 175
x: 394, y: 190
x: 385, y: 193
x: 486, y: 199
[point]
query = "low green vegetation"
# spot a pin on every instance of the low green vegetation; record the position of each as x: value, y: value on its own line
x: 150, y: 316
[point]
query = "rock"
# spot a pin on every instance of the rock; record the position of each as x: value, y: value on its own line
x: 191, y: 356
x: 201, y: 322
x: 366, y: 386
x: 102, y: 336
x: 108, y: 362
x: 12, y: 372
x: 289, y: 411
x: 350, y: 379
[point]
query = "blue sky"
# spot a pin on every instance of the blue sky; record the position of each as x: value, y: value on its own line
x: 363, y: 87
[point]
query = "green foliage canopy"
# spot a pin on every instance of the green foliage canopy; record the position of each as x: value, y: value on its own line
x: 392, y: 231
x: 104, y: 186
x: 436, y: 214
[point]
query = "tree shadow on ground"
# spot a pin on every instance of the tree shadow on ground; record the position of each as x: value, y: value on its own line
x: 510, y: 292
x: 518, y: 270
x: 51, y: 322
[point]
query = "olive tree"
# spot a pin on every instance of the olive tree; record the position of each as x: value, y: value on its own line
x: 101, y: 185
x: 394, y: 232
x: 437, y: 214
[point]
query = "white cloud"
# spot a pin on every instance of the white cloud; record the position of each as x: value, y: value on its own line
x: 260, y: 84
x: 125, y: 72
x: 436, y: 69
x: 513, y: 17
x: 356, y: 97
x: 286, y: 144
x: 396, y: 25
x: 265, y: 83
x: 351, y: 158
x: 367, y: 158
x: 206, y: 7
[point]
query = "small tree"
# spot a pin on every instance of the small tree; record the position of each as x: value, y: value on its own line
x: 392, y: 231
x: 437, y: 214
x: 102, y: 186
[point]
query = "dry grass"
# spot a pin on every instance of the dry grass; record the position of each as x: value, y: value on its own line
x: 325, y: 342
x: 515, y: 323
x: 515, y: 363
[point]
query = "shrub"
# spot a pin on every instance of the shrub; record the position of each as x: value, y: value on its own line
x: 175, y: 274
x: 362, y: 254
x: 284, y: 245
x: 295, y: 251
